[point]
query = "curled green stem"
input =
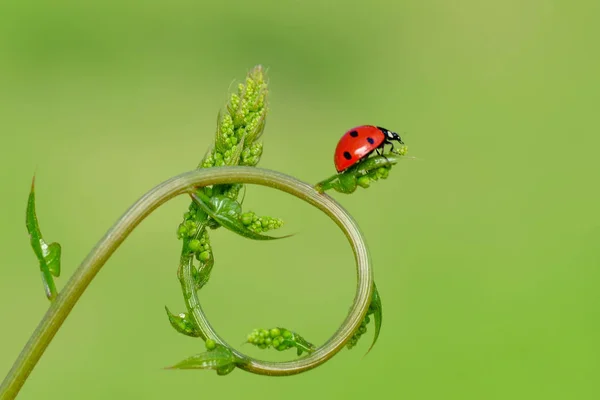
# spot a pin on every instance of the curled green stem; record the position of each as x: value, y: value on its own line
x: 182, y: 184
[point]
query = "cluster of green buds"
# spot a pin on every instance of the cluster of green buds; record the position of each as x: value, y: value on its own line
x: 280, y: 339
x: 238, y: 129
x: 242, y: 124
x: 201, y: 247
x: 375, y: 310
x: 260, y: 224
x: 188, y: 228
x: 362, y: 329
x: 363, y: 173
x: 197, y: 240
x: 379, y: 173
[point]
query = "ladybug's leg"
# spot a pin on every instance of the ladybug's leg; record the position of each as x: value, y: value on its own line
x: 381, y: 147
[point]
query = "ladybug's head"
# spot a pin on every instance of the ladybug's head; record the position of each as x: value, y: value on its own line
x: 394, y: 136
x: 389, y: 135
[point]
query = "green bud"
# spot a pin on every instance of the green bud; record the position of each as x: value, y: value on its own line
x: 234, y: 103
x: 402, y: 150
x: 190, y: 225
x: 204, y: 256
x: 181, y: 231
x: 383, y: 172
x: 274, y: 332
x: 364, y: 181
x: 210, y: 344
x: 247, y: 218
x: 256, y: 149
x: 287, y: 334
x: 194, y: 245
x: 240, y: 133
x: 275, y: 342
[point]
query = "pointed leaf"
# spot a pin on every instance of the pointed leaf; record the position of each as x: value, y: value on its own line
x: 220, y: 359
x: 201, y: 275
x: 235, y: 157
x: 346, y: 182
x: 376, y: 309
x: 48, y: 255
x: 368, y: 165
x: 302, y: 344
x: 219, y: 136
x: 182, y: 324
x: 258, y: 130
x: 226, y: 212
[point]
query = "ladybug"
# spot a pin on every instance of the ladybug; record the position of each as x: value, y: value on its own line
x: 358, y: 143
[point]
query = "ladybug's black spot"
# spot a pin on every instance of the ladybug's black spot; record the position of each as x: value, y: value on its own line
x: 354, y: 134
x: 370, y: 140
x: 347, y: 155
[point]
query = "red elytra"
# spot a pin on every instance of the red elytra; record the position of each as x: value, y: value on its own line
x: 358, y: 143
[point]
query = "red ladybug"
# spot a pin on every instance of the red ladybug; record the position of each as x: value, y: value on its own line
x: 358, y: 143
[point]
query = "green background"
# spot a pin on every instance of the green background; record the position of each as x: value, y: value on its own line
x: 485, y: 246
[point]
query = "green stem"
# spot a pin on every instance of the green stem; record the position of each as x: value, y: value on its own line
x: 185, y: 183
x: 362, y: 298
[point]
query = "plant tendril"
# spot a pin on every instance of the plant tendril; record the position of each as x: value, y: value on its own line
x: 187, y: 183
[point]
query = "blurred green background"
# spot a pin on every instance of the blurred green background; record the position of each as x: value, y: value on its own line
x: 485, y: 247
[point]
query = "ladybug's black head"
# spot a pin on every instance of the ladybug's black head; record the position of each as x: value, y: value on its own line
x: 389, y: 135
x: 395, y: 136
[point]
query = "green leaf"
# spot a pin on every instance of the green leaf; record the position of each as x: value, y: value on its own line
x: 372, y: 163
x: 227, y: 213
x: 358, y: 175
x: 237, y: 152
x: 376, y: 309
x: 219, y: 135
x: 202, y: 273
x: 182, y: 324
x: 302, y: 344
x: 220, y: 359
x: 47, y: 254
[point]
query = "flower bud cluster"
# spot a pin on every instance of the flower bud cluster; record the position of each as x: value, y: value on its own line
x: 241, y: 125
x: 277, y: 338
x: 260, y: 224
x: 198, y: 242
x: 362, y: 329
